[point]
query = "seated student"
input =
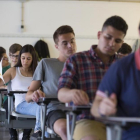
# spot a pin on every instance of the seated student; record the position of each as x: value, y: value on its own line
x: 83, y: 72
x: 5, y: 62
x: 124, y: 50
x: 42, y: 49
x: 20, y: 77
x: 122, y: 81
x: 14, y: 53
x: 46, y: 76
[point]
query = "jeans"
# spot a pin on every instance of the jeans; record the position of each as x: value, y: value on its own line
x: 31, y: 108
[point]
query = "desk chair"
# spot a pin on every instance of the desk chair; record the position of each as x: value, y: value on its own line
x: 16, y: 120
x: 115, y: 125
x: 71, y: 112
x: 43, y: 102
x: 22, y: 121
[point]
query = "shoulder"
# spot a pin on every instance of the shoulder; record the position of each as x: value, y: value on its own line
x: 80, y: 55
x: 48, y: 60
x: 12, y: 69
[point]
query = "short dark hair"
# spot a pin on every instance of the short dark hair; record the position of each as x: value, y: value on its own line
x: 62, y: 30
x: 14, y: 48
x: 117, y: 22
x: 125, y: 49
x: 2, y: 51
x: 28, y: 49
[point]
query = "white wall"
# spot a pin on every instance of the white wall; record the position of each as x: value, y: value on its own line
x: 42, y: 18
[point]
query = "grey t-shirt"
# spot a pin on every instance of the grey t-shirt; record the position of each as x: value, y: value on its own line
x: 48, y: 72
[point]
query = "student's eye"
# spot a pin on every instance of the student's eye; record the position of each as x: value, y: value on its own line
x: 118, y: 41
x: 107, y: 37
x: 65, y: 44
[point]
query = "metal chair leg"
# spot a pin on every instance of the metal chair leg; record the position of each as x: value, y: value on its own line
x: 43, y: 118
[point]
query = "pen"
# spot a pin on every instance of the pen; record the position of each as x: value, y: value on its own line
x: 106, y: 93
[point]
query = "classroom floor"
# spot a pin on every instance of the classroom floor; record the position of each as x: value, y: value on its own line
x: 4, y: 133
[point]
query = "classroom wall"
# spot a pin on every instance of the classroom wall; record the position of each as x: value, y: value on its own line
x: 42, y: 18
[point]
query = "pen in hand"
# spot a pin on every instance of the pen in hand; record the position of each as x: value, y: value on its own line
x: 106, y: 93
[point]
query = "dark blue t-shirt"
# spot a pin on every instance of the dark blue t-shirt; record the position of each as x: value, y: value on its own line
x: 123, y: 78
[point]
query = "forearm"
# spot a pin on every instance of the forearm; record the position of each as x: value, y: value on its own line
x: 1, y: 82
x: 64, y: 95
x: 29, y: 96
x: 95, y: 108
x: 3, y: 87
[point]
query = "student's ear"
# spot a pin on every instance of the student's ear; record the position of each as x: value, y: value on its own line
x: 56, y: 46
x: 99, y: 34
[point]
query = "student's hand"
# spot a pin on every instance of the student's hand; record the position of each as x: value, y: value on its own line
x: 79, y: 97
x: 37, y: 94
x: 108, y: 105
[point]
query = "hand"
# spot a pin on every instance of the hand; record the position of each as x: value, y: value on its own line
x: 108, y: 105
x: 37, y: 94
x: 79, y: 97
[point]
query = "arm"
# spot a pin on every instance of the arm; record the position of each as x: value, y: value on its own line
x: 8, y: 75
x: 34, y: 92
x: 3, y: 87
x: 67, y: 91
x: 78, y: 97
x: 104, y: 105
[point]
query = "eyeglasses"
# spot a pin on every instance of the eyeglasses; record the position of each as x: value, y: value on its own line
x: 12, y: 56
x: 5, y: 58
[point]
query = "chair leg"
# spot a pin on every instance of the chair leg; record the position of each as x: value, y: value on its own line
x: 114, y: 132
x: 70, y: 129
x: 43, y: 120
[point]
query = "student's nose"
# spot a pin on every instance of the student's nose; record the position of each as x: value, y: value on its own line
x: 70, y: 45
x: 112, y: 43
x: 14, y: 58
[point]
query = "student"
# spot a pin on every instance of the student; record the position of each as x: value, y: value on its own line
x: 124, y: 50
x: 83, y: 72
x: 5, y: 62
x: 122, y: 83
x: 14, y: 53
x: 42, y: 49
x: 46, y: 76
x: 20, y: 77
